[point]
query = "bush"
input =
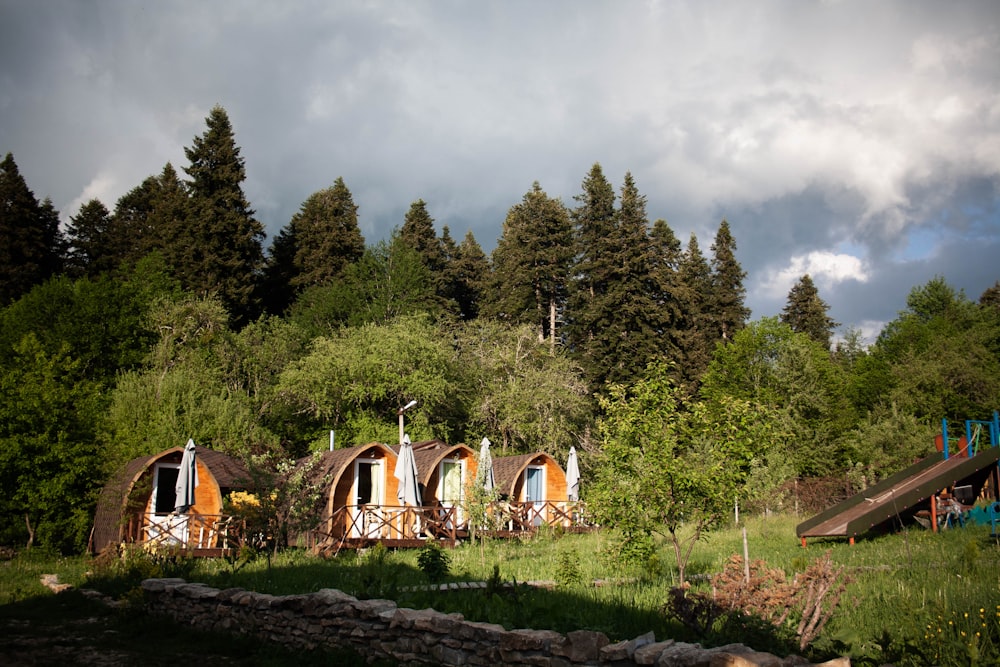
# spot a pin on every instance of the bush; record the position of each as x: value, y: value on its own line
x: 433, y: 561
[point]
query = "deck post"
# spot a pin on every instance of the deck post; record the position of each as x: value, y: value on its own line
x: 934, y: 510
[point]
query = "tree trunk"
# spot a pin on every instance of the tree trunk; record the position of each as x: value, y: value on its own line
x: 552, y: 327
x: 31, y: 531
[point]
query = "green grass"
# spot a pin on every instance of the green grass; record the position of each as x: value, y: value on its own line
x: 911, y: 597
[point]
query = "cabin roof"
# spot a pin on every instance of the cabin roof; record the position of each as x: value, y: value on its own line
x: 507, y: 469
x: 428, y: 454
x: 334, y: 463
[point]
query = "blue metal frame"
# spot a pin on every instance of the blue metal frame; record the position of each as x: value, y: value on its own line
x: 992, y: 427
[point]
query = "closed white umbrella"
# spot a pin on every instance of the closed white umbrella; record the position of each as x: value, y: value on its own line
x: 572, y: 476
x: 485, y: 471
x: 406, y: 473
x: 187, y: 479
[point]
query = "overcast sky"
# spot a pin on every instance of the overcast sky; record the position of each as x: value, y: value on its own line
x: 858, y: 142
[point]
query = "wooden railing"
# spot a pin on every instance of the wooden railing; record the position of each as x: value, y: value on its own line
x: 357, y: 524
x: 363, y: 524
x: 522, y: 516
x: 186, y: 531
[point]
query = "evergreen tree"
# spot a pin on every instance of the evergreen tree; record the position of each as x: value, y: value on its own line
x: 805, y: 312
x: 637, y: 318
x: 471, y: 273
x: 666, y: 259
x: 590, y: 306
x: 418, y: 233
x: 220, y: 239
x: 89, y: 232
x: 991, y: 297
x: 54, y: 237
x: 728, y: 292
x: 326, y: 236
x: 531, y: 264
x: 30, y: 242
x: 148, y: 218
x: 449, y: 279
x: 697, y: 331
x: 279, y: 271
x: 613, y: 317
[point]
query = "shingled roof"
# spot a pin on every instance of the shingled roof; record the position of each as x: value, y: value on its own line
x: 507, y: 469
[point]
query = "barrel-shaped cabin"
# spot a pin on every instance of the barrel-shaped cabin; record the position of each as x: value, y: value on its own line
x: 444, y: 473
x: 533, y: 492
x: 359, y: 498
x: 138, y: 505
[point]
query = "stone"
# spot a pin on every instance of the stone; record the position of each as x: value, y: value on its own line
x: 160, y: 585
x: 528, y: 640
x: 372, y: 608
x: 647, y: 654
x: 684, y: 655
x: 198, y: 591
x: 333, y: 596
x: 744, y: 659
x: 581, y: 646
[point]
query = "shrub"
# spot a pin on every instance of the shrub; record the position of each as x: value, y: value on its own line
x: 433, y: 561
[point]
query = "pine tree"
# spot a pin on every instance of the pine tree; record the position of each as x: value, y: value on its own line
x: 805, y: 312
x: 531, y: 264
x: 30, y: 242
x: 148, y: 217
x: 728, y: 293
x: 88, y: 235
x: 666, y: 259
x: 991, y: 296
x: 327, y: 237
x: 471, y: 274
x: 418, y: 233
x: 612, y: 316
x: 279, y: 271
x: 448, y: 280
x: 590, y: 306
x: 697, y: 332
x: 221, y: 239
x: 637, y: 318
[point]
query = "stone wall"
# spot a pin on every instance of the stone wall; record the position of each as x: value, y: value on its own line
x: 378, y: 629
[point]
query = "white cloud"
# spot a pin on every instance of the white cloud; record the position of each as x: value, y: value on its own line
x: 827, y: 269
x: 104, y: 186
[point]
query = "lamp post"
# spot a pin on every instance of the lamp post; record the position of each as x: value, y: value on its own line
x: 400, y: 414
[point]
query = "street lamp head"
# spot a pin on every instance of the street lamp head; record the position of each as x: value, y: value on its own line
x: 406, y: 407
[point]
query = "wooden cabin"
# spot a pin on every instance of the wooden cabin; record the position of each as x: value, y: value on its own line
x: 533, y: 492
x: 445, y: 472
x: 359, y: 499
x: 137, y: 504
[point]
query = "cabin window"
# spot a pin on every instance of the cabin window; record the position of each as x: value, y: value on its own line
x: 366, y: 520
x: 165, y: 487
x: 534, y: 484
x: 450, y: 492
x: 368, y: 482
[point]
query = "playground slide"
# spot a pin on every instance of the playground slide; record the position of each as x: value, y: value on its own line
x: 898, y: 495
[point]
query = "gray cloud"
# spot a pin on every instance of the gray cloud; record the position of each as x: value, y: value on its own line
x: 830, y: 135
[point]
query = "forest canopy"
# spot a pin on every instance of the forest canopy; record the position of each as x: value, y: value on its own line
x: 162, y: 317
